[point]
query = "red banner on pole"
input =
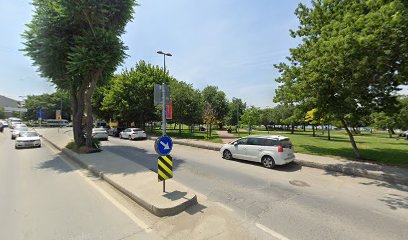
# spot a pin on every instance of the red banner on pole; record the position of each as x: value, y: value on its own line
x: 169, y: 110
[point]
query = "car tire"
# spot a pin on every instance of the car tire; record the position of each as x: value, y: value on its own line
x: 227, y: 155
x: 130, y: 137
x: 268, y: 162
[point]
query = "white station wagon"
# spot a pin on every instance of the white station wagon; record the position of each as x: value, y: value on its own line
x: 270, y: 150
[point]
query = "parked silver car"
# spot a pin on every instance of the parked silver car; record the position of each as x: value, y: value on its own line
x: 100, y: 133
x: 133, y: 133
x: 270, y: 150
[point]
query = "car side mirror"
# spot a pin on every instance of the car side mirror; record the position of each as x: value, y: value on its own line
x: 236, y: 144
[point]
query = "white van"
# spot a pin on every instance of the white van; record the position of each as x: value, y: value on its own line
x: 56, y: 123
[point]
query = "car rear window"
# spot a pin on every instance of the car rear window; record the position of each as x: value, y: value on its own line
x: 285, y: 143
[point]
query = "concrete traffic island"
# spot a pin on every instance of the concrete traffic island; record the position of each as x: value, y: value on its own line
x: 148, y: 193
x: 134, y: 180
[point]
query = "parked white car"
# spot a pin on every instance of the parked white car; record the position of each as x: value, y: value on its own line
x: 270, y: 150
x: 17, y: 130
x: 100, y: 133
x: 133, y: 133
x: 28, y: 139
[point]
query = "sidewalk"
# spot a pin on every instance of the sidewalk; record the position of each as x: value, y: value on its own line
x: 134, y: 180
x: 333, y: 165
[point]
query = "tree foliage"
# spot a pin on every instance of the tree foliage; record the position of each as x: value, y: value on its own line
x: 218, y: 102
x: 49, y: 102
x: 251, y: 117
x: 75, y: 44
x: 188, y: 106
x: 130, y: 97
x: 235, y: 110
x: 352, y: 58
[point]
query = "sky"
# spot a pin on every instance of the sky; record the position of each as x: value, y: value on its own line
x: 227, y: 43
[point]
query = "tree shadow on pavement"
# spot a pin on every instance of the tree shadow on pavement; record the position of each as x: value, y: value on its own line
x: 56, y: 164
x: 395, y: 201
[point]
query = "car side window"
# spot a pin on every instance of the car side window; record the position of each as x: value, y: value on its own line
x: 270, y: 142
x: 243, y: 141
x: 255, y: 141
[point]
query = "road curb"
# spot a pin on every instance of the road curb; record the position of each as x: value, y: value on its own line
x: 160, y: 212
x: 359, y: 172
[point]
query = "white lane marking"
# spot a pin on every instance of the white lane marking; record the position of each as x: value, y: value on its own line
x: 224, y: 206
x: 126, y: 211
x: 271, y: 232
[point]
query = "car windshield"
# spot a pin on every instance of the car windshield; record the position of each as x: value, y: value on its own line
x: 21, y: 129
x: 28, y: 134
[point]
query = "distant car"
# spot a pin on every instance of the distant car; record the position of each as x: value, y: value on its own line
x: 133, y: 133
x: 28, y: 139
x: 17, y: 130
x: 270, y: 150
x: 115, y: 131
x: 99, y: 133
x: 14, y: 122
x: 5, y: 123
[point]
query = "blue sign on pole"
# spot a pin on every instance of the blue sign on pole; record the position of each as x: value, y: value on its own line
x: 41, y: 113
x: 163, y: 145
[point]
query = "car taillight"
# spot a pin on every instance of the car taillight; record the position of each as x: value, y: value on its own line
x: 280, y: 149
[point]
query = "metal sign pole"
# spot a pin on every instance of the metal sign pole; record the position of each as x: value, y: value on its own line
x: 164, y: 108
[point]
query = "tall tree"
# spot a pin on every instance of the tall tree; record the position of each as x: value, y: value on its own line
x: 187, y: 103
x: 50, y: 102
x: 131, y: 98
x: 75, y: 44
x: 251, y: 117
x: 235, y: 110
x: 218, y: 102
x: 352, y: 58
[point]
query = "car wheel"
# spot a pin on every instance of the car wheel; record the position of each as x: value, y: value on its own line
x: 227, y: 155
x: 268, y: 162
x: 130, y: 137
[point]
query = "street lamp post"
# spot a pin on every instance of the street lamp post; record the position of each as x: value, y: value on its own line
x: 238, y: 119
x: 164, y: 101
x: 164, y: 92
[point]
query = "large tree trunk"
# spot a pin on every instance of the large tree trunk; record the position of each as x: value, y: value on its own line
x: 313, y: 127
x: 389, y: 133
x: 179, y: 129
x: 328, y: 132
x: 292, y: 130
x: 94, y: 77
x: 77, y: 100
x: 353, y: 143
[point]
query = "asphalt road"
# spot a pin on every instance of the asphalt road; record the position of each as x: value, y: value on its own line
x: 289, y: 202
x: 44, y: 197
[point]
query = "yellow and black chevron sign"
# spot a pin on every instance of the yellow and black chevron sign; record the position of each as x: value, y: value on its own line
x: 165, y: 167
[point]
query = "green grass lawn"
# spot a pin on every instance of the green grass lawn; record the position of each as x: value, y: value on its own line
x: 376, y: 147
x: 185, y: 133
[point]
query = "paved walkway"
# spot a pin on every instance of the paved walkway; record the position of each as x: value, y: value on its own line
x: 226, y: 137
